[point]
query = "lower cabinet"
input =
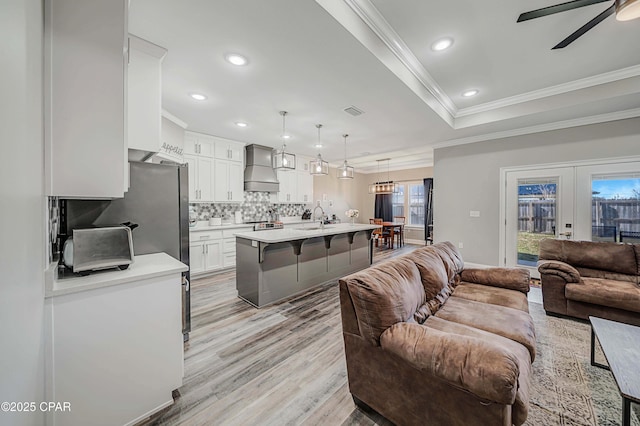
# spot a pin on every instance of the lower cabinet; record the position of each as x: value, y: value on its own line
x: 213, y: 250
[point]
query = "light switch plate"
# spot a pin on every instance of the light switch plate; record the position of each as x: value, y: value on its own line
x: 474, y: 213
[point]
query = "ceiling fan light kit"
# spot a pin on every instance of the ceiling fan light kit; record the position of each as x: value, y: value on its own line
x: 625, y: 10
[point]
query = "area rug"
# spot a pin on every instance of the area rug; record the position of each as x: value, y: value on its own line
x: 567, y: 390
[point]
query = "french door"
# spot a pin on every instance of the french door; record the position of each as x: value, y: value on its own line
x: 592, y: 202
x: 539, y: 205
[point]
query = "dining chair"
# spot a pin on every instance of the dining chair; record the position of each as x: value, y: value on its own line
x: 380, y: 233
x: 399, y: 232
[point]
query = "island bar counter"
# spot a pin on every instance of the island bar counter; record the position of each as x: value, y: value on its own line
x: 276, y: 264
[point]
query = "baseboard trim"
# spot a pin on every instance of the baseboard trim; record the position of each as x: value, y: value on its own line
x: 419, y: 242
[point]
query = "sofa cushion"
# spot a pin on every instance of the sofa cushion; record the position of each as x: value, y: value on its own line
x: 511, y: 323
x: 521, y: 405
x: 493, y: 295
x: 452, y: 260
x: 432, y: 271
x: 589, y: 255
x: 611, y: 293
x: 384, y: 295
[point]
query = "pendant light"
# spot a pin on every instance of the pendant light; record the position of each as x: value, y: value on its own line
x: 318, y: 167
x: 345, y: 171
x: 383, y: 187
x: 283, y: 160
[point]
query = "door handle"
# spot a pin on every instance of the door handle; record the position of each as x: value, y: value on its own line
x: 186, y: 283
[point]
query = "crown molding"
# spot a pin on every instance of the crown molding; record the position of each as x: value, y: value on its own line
x: 385, y: 32
x: 576, y: 122
x: 559, y: 89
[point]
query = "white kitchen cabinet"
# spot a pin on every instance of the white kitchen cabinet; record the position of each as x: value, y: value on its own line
x: 229, y: 181
x: 199, y: 144
x: 213, y: 255
x: 86, y: 98
x: 144, y: 93
x: 229, y: 150
x: 288, y: 191
x: 200, y: 178
x: 120, y: 343
x: 196, y: 257
x: 305, y: 187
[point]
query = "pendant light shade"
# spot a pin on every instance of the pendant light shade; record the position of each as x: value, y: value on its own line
x: 627, y: 10
x: 283, y: 160
x: 318, y: 167
x: 384, y: 187
x: 345, y: 171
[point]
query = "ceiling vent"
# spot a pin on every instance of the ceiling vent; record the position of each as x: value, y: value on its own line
x: 353, y: 111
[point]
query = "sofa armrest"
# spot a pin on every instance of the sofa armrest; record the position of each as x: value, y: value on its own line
x: 561, y: 269
x: 483, y: 368
x: 509, y: 278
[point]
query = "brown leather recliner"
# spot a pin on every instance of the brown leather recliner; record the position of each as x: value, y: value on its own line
x: 588, y: 278
x: 428, y: 342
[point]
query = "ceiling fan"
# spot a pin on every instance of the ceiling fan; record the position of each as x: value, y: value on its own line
x: 625, y: 10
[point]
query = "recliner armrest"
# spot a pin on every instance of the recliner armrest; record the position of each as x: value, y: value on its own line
x: 483, y: 368
x: 509, y: 278
x: 561, y: 269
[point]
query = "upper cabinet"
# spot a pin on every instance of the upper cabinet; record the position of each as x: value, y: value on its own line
x: 144, y: 93
x: 199, y: 144
x: 229, y: 150
x: 85, y: 97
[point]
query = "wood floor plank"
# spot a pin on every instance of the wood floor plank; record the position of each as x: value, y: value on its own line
x: 278, y: 365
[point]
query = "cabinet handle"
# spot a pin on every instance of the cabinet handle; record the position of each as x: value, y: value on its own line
x: 206, y: 248
x: 203, y: 249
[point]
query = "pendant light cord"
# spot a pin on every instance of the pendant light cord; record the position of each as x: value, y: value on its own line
x: 284, y: 144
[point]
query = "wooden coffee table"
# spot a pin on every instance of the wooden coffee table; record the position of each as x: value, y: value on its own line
x: 620, y: 344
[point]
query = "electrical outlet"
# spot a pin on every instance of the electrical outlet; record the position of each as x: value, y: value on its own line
x: 325, y: 197
x: 474, y: 213
x: 460, y: 245
x: 330, y: 203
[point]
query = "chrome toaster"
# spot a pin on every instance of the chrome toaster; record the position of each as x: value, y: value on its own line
x: 93, y: 249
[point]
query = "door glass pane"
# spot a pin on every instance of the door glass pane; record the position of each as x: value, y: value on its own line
x: 536, y: 217
x: 615, y: 208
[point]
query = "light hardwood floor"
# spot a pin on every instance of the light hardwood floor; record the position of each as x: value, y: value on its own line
x: 278, y: 365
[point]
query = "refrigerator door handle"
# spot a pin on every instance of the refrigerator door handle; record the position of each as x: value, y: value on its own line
x: 186, y: 283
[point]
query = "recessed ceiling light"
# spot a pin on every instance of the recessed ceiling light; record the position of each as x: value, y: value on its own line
x: 442, y: 44
x: 198, y: 96
x: 235, y: 59
x: 241, y: 124
x: 286, y: 136
x: 470, y: 93
x: 318, y: 145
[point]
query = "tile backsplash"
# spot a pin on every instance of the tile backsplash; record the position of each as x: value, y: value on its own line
x: 255, y: 207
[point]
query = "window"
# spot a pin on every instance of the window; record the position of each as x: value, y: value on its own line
x: 398, y: 202
x: 410, y: 199
x: 416, y: 204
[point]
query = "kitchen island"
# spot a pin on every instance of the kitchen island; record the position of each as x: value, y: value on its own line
x: 276, y: 264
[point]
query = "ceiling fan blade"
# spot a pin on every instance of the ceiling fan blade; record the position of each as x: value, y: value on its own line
x: 545, y: 11
x: 586, y: 27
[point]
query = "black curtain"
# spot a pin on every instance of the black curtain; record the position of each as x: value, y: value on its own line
x: 428, y: 209
x: 384, y: 207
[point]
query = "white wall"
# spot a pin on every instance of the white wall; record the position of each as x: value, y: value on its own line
x: 466, y: 177
x: 22, y: 208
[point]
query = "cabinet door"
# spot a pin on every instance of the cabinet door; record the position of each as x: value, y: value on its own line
x: 221, y: 181
x: 283, y: 189
x: 192, y: 163
x: 236, y: 182
x: 205, y: 145
x: 213, y: 255
x: 305, y: 187
x: 196, y: 257
x: 143, y: 95
x: 190, y: 143
x: 205, y: 178
x: 86, y: 146
x: 236, y: 151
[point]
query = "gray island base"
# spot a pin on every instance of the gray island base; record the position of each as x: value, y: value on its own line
x: 277, y: 264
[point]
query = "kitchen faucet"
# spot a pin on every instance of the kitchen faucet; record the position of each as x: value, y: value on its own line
x: 321, y: 217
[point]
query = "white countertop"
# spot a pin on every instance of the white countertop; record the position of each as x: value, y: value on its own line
x: 143, y: 267
x: 204, y: 226
x: 292, y: 232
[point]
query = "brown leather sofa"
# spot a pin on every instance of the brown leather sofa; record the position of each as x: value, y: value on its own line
x: 428, y: 342
x: 584, y: 278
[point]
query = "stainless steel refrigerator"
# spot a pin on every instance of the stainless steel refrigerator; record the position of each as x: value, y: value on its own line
x: 158, y: 201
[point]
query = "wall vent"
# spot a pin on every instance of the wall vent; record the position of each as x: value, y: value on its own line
x: 353, y: 111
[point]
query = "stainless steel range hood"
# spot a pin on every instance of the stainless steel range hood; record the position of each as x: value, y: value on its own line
x: 258, y: 173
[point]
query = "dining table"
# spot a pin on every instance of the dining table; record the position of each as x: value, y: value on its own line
x: 391, y: 226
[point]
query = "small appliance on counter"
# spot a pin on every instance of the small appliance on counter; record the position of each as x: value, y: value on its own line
x: 306, y: 215
x: 238, y: 217
x: 93, y: 249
